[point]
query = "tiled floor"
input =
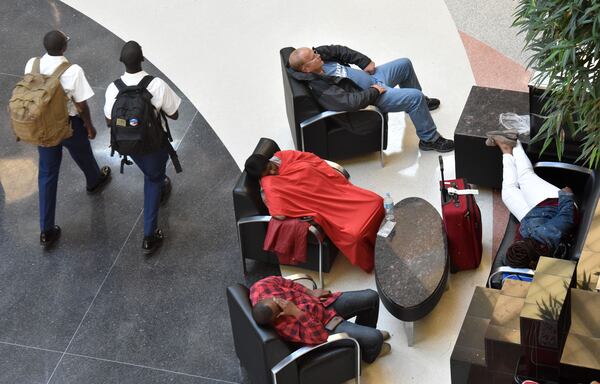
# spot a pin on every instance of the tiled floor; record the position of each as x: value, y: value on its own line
x: 94, y: 310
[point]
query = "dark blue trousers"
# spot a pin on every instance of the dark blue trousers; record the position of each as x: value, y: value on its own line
x: 153, y: 166
x: 365, y: 306
x: 49, y: 166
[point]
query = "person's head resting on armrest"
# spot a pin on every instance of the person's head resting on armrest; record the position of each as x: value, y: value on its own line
x: 266, y: 311
x: 306, y: 60
x: 258, y: 166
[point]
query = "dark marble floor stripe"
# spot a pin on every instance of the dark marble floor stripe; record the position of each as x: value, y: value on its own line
x: 25, y: 364
x: 94, y: 309
x: 96, y: 295
x: 138, y: 373
x: 110, y: 269
x: 29, y: 347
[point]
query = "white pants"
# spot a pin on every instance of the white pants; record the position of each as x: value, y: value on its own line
x: 522, y: 189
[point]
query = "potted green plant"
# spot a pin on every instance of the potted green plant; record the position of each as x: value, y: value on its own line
x: 564, y: 40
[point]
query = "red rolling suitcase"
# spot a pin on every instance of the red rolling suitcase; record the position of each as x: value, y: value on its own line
x: 462, y: 220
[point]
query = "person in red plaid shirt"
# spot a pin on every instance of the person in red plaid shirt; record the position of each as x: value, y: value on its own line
x: 308, y: 317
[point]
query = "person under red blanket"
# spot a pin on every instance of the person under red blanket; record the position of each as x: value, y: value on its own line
x: 305, y: 316
x: 298, y: 184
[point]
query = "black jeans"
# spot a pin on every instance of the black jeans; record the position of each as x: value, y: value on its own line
x: 365, y: 306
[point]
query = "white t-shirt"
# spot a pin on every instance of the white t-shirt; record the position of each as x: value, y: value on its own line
x: 72, y: 80
x: 163, y: 97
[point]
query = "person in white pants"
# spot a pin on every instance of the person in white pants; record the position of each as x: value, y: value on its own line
x: 522, y: 189
x: 545, y: 212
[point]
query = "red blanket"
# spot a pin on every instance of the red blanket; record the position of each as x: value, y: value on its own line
x: 287, y: 239
x: 349, y: 215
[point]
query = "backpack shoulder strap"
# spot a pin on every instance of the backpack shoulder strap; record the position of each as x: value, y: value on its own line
x: 35, y: 69
x: 145, y: 81
x: 119, y: 84
x: 61, y: 69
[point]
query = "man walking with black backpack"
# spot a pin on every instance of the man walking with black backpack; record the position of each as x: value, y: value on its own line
x: 134, y: 106
x: 67, y: 126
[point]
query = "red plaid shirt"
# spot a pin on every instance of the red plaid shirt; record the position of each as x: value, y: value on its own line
x: 309, y: 328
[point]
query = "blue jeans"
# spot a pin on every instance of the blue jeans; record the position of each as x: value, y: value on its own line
x: 408, y: 98
x: 548, y: 225
x: 365, y: 306
x: 153, y: 166
x: 50, y: 158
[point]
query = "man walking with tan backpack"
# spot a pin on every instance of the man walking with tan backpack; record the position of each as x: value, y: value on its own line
x: 48, y: 108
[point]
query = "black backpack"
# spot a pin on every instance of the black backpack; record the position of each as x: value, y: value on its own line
x: 136, y: 126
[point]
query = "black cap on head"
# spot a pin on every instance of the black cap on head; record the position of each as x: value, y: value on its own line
x: 255, y: 165
x: 55, y: 42
x: 131, y: 54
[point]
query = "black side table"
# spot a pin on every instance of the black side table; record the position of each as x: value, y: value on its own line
x: 475, y: 161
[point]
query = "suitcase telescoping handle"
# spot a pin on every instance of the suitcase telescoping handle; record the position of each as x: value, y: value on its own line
x: 443, y: 188
x: 442, y: 171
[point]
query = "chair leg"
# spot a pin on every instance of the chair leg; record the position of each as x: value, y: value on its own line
x: 382, y: 141
x: 357, y: 372
x: 321, y: 265
x: 241, y: 248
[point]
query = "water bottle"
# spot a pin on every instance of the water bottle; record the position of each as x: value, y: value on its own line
x: 388, y: 205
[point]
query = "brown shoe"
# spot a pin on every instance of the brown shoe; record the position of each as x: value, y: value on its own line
x: 511, y: 134
x: 385, y: 334
x: 498, y: 139
x: 386, y: 348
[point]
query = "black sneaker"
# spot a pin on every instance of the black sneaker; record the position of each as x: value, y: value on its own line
x: 165, y: 191
x: 49, y: 237
x: 432, y: 103
x: 440, y: 145
x: 152, y: 243
x: 104, y: 179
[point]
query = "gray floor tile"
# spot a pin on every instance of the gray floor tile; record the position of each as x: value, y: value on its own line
x: 77, y: 370
x: 26, y: 365
x: 92, y: 46
x: 169, y: 311
x: 45, y: 294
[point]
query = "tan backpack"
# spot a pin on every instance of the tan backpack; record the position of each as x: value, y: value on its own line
x: 38, y: 108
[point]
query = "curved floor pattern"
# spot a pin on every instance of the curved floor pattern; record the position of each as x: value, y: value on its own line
x: 232, y: 49
x: 94, y: 310
x: 490, y: 22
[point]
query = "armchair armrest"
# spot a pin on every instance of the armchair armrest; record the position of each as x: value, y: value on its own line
x: 338, y: 338
x: 565, y: 166
x: 254, y: 219
x: 507, y: 269
x: 326, y: 114
x: 338, y: 168
x: 302, y: 276
x: 312, y: 228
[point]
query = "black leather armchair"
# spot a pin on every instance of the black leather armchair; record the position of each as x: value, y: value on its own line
x: 584, y: 183
x: 330, y: 134
x: 268, y: 359
x: 252, y: 217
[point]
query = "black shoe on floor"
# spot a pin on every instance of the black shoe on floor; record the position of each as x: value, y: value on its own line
x: 165, y: 191
x: 104, y: 179
x: 152, y: 243
x: 440, y: 145
x: 432, y: 103
x: 49, y: 237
